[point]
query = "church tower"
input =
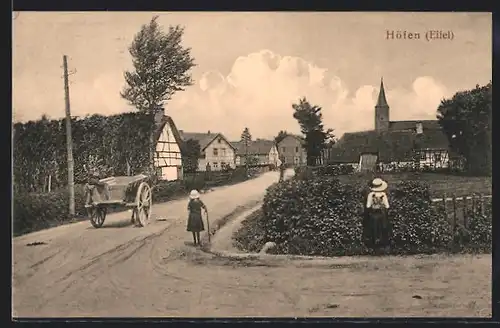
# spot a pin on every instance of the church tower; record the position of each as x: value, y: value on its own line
x: 381, y: 110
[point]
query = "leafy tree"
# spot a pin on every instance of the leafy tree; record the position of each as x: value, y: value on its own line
x: 246, y: 140
x: 311, y: 124
x: 191, y: 155
x: 466, y: 120
x: 161, y: 66
x: 281, y: 135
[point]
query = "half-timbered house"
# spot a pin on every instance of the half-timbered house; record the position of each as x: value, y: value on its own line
x: 168, y: 158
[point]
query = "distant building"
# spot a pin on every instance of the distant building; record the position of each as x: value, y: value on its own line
x: 264, y: 152
x: 167, y: 159
x: 416, y: 142
x: 216, y: 150
x: 291, y: 148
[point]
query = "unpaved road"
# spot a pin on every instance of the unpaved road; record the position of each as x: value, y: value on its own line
x: 123, y: 271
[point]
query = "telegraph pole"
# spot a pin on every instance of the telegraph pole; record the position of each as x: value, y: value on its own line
x: 69, y: 140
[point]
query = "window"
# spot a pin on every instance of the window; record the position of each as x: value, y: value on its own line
x: 215, y: 165
x: 437, y: 157
x: 219, y: 140
x: 419, y: 128
x: 283, y: 149
x: 223, y: 151
x: 296, y: 149
x: 216, y: 152
x: 422, y: 156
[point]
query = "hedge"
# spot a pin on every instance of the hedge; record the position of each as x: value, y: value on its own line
x: 322, y: 216
x: 36, y: 211
x: 114, y: 145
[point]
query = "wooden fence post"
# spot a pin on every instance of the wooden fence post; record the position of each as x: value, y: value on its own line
x: 473, y: 204
x: 465, y: 211
x: 481, y: 201
x: 444, y: 206
x: 454, y: 225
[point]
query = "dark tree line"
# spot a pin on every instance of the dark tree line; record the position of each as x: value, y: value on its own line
x: 466, y: 118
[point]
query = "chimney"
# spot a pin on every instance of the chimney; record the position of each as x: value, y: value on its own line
x: 159, y: 113
x: 419, y: 128
x: 208, y: 132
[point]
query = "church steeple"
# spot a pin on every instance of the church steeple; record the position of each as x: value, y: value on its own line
x: 381, y: 110
x: 382, y: 101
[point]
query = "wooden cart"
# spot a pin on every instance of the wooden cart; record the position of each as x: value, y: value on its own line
x: 133, y: 192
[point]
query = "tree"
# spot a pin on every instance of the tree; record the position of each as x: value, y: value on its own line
x: 246, y: 139
x: 311, y: 125
x: 281, y: 135
x: 161, y: 66
x: 191, y: 155
x: 466, y: 119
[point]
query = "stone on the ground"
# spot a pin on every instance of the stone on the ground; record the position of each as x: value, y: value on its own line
x: 267, y: 247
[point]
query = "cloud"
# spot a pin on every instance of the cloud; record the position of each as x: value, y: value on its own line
x: 258, y: 93
x: 261, y: 87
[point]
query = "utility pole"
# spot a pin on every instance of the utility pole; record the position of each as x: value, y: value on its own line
x: 69, y: 140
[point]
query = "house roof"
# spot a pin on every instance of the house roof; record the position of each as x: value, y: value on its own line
x: 161, y: 124
x: 256, y: 147
x: 298, y: 137
x: 390, y: 145
x: 204, y: 139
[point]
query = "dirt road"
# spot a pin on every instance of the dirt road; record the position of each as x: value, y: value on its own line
x: 118, y: 269
x: 122, y: 271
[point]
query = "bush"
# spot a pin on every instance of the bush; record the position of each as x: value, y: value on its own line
x: 333, y: 170
x: 251, y: 236
x: 168, y: 190
x: 309, y: 172
x: 323, y: 216
x: 36, y: 211
x: 418, y: 227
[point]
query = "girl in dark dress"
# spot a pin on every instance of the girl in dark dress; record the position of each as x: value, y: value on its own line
x: 376, y: 227
x: 195, y: 220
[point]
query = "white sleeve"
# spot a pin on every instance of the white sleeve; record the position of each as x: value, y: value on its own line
x: 386, y: 201
x: 369, y: 200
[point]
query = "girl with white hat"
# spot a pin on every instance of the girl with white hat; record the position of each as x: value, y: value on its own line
x: 376, y: 223
x: 195, y: 220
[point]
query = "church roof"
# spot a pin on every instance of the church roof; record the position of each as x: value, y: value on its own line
x: 411, y: 125
x: 391, y: 146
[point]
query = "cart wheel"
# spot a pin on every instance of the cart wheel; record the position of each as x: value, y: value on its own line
x: 144, y: 201
x: 97, y: 216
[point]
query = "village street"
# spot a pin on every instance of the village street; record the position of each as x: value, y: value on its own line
x: 123, y: 271
x: 119, y: 269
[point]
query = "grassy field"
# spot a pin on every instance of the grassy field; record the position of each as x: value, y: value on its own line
x: 439, y: 183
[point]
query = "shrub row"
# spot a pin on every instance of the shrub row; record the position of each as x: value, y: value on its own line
x: 323, y: 216
x: 37, y: 211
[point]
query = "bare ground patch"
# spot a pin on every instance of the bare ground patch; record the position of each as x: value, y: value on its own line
x: 428, y: 286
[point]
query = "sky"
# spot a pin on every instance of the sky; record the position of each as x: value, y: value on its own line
x: 251, y: 67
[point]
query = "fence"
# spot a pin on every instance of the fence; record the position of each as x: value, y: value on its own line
x: 460, y: 210
x: 207, y: 179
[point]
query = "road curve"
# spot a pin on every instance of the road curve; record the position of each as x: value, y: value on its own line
x: 82, y: 271
x: 122, y: 271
